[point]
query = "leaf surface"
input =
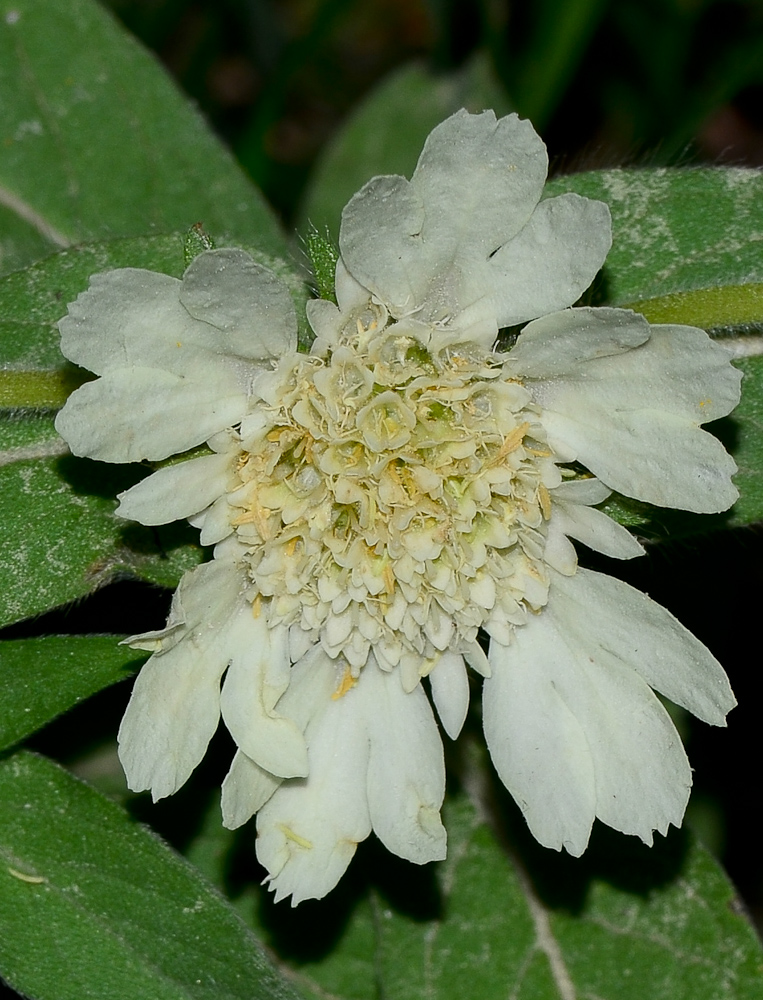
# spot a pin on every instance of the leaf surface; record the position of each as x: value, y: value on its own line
x: 687, y: 243
x: 621, y: 923
x: 96, y: 141
x: 95, y: 907
x: 47, y: 676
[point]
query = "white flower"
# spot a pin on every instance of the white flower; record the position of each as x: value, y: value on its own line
x: 377, y: 503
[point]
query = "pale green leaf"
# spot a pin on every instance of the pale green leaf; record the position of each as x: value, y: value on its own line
x: 94, y: 907
x: 686, y: 243
x: 60, y: 536
x: 97, y: 142
x: 42, y: 678
x: 386, y: 131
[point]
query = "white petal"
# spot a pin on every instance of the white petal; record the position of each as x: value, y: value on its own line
x: 133, y: 318
x: 475, y: 656
x: 177, y: 491
x: 570, y: 698
x: 325, y: 319
x: 642, y: 777
x: 133, y: 414
x: 476, y: 185
x: 632, y: 417
x: 552, y: 261
x: 450, y: 692
x: 308, y: 831
x: 257, y: 676
x: 215, y: 522
x: 595, y: 529
x: 171, y: 717
x: 129, y: 317
x: 480, y: 179
x: 566, y: 342
x: 406, y: 771
x: 350, y: 294
x: 381, y: 242
x: 246, y: 789
x: 641, y: 633
x: 588, y: 491
x: 204, y: 594
x: 174, y: 708
x: 559, y: 551
x: 247, y: 303
x: 538, y: 747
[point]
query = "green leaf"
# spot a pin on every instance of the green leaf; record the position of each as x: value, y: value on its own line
x: 57, y: 510
x: 20, y: 242
x: 622, y: 923
x: 97, y: 142
x: 42, y: 678
x: 686, y: 243
x: 63, y: 540
x: 746, y: 444
x: 95, y: 907
x: 385, y: 134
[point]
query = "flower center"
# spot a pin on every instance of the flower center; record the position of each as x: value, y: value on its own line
x: 396, y: 498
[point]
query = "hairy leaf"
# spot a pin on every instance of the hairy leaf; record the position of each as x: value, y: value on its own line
x: 621, y: 923
x: 97, y: 142
x: 95, y: 907
x: 47, y: 676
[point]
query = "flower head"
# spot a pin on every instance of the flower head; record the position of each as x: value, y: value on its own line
x: 379, y: 504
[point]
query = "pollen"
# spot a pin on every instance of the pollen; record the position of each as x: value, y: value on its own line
x: 346, y: 684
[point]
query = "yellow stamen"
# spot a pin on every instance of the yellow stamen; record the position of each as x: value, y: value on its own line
x: 246, y: 518
x: 257, y: 516
x: 257, y: 606
x: 291, y: 835
x: 512, y: 441
x: 347, y: 682
x: 545, y: 501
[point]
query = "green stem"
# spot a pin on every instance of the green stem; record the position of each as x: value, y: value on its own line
x: 709, y: 308
x: 40, y: 390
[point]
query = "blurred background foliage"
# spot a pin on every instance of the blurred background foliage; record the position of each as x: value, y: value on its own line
x: 606, y: 83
